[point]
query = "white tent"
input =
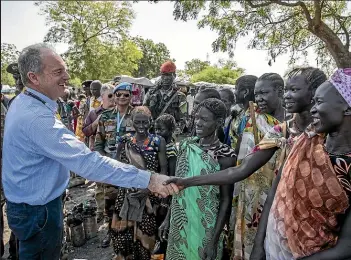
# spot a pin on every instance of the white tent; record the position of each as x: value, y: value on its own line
x: 141, y: 81
x: 7, y: 89
x: 154, y: 80
x: 228, y: 86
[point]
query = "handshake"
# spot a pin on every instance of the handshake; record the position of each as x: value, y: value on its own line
x: 163, y: 186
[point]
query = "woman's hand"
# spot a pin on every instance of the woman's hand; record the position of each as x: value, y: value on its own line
x: 258, y: 253
x: 210, y: 251
x: 164, y: 229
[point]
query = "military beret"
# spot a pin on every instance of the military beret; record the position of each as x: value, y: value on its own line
x: 123, y: 86
x: 168, y: 67
x: 13, y: 69
x: 87, y: 83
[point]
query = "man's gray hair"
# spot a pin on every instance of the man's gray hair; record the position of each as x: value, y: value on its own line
x: 30, y: 60
x: 106, y: 87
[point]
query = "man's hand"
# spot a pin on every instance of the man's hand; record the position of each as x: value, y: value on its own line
x: 156, y: 185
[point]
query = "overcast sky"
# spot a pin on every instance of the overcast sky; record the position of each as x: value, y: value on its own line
x: 22, y: 25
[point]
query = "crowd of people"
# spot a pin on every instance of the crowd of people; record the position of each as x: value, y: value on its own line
x: 262, y: 171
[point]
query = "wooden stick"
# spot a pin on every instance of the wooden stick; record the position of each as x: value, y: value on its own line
x: 253, y: 120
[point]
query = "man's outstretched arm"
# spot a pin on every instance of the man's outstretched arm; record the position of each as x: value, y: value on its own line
x: 60, y: 144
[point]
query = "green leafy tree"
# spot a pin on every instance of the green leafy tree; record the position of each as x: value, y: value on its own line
x: 75, y: 82
x: 104, y: 61
x: 277, y: 26
x: 194, y: 66
x: 97, y: 35
x: 9, y: 54
x: 154, y: 55
x: 215, y: 74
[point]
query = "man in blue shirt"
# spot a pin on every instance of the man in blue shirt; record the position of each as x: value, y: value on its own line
x: 40, y: 152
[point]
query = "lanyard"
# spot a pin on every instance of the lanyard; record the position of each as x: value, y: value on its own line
x: 34, y: 96
x: 30, y: 94
x: 119, y: 122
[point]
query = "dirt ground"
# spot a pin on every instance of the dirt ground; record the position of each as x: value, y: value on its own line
x: 91, y: 250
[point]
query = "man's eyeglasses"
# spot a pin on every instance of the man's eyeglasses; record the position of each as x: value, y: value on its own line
x: 126, y: 95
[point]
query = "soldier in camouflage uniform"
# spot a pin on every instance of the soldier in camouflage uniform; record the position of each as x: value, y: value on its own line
x: 64, y: 109
x: 83, y: 108
x: 13, y: 69
x: 166, y: 97
x: 113, y: 123
x: 12, y: 243
x: 3, y: 114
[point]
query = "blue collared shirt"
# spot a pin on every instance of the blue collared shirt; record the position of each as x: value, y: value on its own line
x: 39, y: 151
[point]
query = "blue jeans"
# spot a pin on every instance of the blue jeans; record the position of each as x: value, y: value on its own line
x: 39, y: 229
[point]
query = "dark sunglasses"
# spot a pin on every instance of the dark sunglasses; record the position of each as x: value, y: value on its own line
x: 127, y: 95
x: 110, y: 95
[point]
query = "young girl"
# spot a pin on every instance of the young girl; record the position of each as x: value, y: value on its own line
x: 164, y: 127
x: 134, y: 229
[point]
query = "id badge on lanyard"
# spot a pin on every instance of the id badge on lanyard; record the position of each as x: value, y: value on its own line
x: 118, y: 124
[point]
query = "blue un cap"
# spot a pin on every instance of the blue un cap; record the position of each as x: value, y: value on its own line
x: 123, y: 86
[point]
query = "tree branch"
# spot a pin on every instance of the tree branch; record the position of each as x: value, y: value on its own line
x: 317, y: 12
x: 347, y: 34
x: 258, y: 5
x: 99, y: 33
x: 299, y: 3
x: 306, y: 12
x: 281, y: 21
x: 314, y: 43
x: 280, y: 2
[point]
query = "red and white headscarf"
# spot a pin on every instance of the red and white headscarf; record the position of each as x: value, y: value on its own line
x: 341, y: 80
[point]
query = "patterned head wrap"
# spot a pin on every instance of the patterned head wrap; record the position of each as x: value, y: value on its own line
x: 168, y: 67
x: 341, y: 80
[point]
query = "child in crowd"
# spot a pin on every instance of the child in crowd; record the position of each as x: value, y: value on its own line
x: 165, y: 126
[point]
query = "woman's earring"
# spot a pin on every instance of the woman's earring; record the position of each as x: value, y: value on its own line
x: 312, y: 101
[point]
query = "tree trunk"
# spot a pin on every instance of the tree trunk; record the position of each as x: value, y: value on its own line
x: 337, y: 49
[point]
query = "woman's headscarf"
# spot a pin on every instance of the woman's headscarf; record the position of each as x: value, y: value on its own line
x: 341, y: 80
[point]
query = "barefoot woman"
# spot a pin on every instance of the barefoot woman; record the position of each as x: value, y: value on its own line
x: 200, y: 213
x: 133, y: 226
